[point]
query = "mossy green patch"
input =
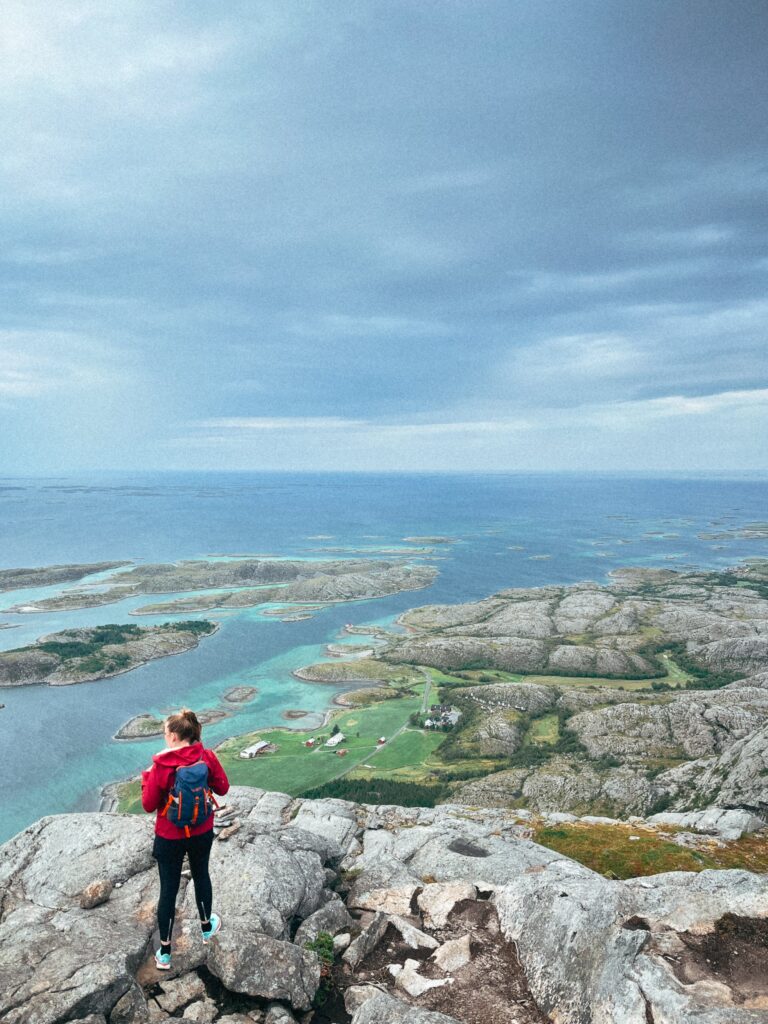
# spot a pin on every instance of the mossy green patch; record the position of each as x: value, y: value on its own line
x: 369, y: 695
x: 544, y: 730
x: 624, y: 851
x: 129, y: 797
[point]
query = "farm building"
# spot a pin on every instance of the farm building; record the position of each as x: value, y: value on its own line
x: 255, y: 749
x: 335, y: 739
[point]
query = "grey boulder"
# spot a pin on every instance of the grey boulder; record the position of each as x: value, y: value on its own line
x: 384, y: 1009
x: 259, y: 965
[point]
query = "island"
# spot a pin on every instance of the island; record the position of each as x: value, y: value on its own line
x: 430, y: 540
x: 145, y: 725
x: 240, y: 694
x: 50, y: 575
x: 245, y: 583
x: 86, y: 654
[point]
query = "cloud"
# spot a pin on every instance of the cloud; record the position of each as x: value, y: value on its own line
x: 670, y: 406
x: 251, y: 423
x: 344, y: 325
x: 36, y: 364
x: 472, y: 235
x: 46, y: 256
x: 611, y: 280
x: 77, y: 46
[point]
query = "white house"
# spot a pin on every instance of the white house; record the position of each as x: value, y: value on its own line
x: 335, y: 739
x: 255, y: 750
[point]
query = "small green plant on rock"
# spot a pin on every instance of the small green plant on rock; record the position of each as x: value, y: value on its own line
x: 322, y: 947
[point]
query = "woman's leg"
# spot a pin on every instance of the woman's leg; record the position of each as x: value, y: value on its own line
x: 199, y: 851
x: 169, y: 854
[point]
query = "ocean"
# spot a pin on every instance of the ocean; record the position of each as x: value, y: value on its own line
x: 509, y: 531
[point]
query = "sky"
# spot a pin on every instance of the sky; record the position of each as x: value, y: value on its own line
x: 384, y: 235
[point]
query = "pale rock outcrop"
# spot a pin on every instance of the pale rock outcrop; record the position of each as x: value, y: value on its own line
x: 178, y: 992
x: 408, y: 979
x: 512, y: 654
x: 438, y: 899
x: 497, y: 733
x: 738, y: 778
x: 564, y: 784
x: 453, y: 955
x: 384, y: 1009
x: 716, y: 821
x: 259, y: 965
x: 529, y: 697
x: 693, y: 727
x: 370, y: 938
x: 81, y: 961
x: 561, y: 919
x: 590, y: 951
x: 277, y: 1014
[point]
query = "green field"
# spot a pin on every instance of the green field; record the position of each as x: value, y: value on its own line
x: 406, y: 758
x: 545, y: 730
x: 410, y: 754
x: 473, y: 677
x: 294, y: 767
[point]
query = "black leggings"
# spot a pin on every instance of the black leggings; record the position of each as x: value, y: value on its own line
x: 169, y: 854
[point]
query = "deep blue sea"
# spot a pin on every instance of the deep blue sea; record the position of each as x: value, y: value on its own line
x: 510, y: 530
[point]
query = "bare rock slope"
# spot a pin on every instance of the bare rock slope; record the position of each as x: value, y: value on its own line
x: 438, y: 916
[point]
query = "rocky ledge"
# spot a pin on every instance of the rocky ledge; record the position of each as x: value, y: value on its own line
x: 339, y: 912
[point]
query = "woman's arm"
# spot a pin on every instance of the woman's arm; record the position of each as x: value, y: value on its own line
x: 151, y: 791
x: 216, y: 774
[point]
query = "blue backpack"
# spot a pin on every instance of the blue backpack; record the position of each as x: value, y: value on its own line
x: 190, y: 801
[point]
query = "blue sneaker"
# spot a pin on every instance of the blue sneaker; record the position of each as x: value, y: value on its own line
x: 213, y: 927
x: 162, y: 960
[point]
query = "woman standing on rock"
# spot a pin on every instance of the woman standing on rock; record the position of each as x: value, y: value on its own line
x: 179, y: 786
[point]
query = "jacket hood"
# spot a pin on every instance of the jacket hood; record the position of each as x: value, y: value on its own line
x: 181, y: 755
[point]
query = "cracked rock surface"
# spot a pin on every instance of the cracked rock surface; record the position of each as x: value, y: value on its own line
x: 496, y: 929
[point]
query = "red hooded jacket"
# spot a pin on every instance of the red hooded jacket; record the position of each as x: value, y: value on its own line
x: 157, y: 781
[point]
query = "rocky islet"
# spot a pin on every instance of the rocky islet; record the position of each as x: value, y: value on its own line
x: 85, y: 654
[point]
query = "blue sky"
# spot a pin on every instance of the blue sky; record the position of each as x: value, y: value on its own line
x: 384, y: 235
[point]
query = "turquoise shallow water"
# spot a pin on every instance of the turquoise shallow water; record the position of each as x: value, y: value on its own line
x: 510, y: 531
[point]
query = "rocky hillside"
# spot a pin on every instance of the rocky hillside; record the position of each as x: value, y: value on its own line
x: 337, y: 912
x: 646, y: 694
x: 721, y: 620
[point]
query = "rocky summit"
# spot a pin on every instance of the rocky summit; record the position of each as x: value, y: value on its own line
x: 341, y: 912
